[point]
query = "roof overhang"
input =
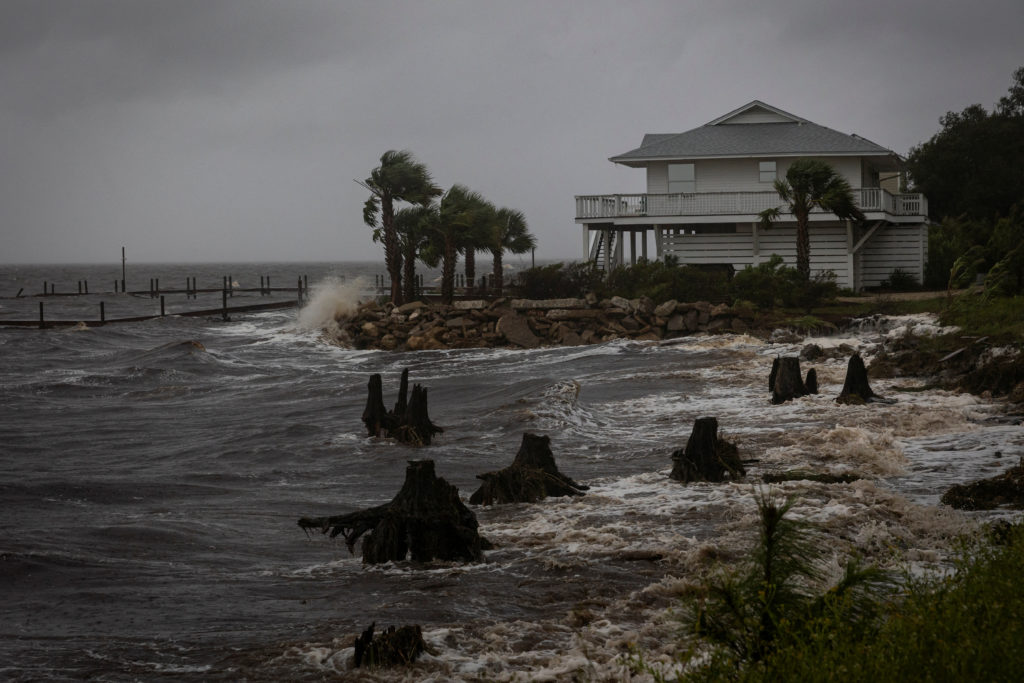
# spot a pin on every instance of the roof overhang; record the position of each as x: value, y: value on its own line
x: 884, y: 162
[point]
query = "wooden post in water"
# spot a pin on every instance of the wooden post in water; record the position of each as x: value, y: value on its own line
x: 103, y: 313
x: 224, y: 303
x: 268, y: 285
x: 262, y: 292
x: 299, y: 290
x: 231, y: 285
x: 115, y: 286
x: 157, y: 281
x: 45, y: 287
x: 162, y: 306
x: 79, y: 286
x: 123, y: 277
x: 86, y: 286
x: 53, y: 288
x: 41, y: 323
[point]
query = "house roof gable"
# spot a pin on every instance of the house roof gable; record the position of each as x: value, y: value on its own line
x: 754, y: 130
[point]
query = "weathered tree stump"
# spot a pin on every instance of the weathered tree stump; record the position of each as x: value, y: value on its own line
x: 375, y: 416
x: 855, y: 388
x: 786, y: 382
x: 393, y: 647
x: 773, y: 374
x: 706, y: 457
x: 409, y: 422
x: 532, y: 476
x: 425, y: 521
x: 811, y: 383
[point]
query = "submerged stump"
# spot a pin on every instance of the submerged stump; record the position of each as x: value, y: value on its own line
x: 785, y: 379
x: 532, y: 476
x: 425, y: 521
x: 811, y: 383
x: 392, y: 647
x: 706, y: 457
x: 856, y: 390
x: 409, y: 422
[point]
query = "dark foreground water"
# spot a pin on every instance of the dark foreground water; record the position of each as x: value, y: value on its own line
x: 151, y: 476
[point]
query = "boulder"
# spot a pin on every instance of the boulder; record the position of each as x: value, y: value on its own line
x: 516, y: 329
x: 666, y: 309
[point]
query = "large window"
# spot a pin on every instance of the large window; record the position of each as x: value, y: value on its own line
x: 681, y: 178
x: 766, y: 171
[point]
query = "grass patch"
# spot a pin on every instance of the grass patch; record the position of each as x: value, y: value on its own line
x: 999, y: 317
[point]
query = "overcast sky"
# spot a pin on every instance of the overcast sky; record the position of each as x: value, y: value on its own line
x: 232, y: 130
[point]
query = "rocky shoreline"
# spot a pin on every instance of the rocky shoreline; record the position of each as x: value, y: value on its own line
x: 531, y: 323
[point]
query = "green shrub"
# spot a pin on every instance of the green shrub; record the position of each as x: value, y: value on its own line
x: 557, y: 281
x: 658, y: 280
x: 665, y: 280
x: 899, y: 280
x: 771, y: 283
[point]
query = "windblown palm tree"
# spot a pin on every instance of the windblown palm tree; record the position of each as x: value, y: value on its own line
x: 461, y: 212
x: 508, y: 233
x: 414, y: 225
x: 398, y: 178
x: 811, y: 183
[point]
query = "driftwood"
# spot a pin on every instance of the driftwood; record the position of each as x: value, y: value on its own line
x: 785, y: 380
x: 706, y: 457
x: 393, y: 647
x: 409, y: 422
x: 855, y: 388
x: 425, y: 521
x: 1004, y: 490
x: 533, y: 475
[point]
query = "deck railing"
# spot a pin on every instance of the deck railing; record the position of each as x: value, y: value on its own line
x: 869, y: 199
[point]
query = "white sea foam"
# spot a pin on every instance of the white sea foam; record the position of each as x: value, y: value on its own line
x: 332, y: 298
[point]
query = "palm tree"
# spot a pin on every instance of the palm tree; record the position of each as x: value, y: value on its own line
x: 811, y: 183
x: 460, y: 214
x: 413, y: 224
x: 508, y: 233
x: 398, y: 178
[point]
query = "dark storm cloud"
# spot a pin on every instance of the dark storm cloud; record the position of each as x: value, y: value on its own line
x: 233, y: 129
x: 63, y: 54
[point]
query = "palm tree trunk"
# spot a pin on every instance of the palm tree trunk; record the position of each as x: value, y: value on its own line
x: 392, y: 253
x: 409, y: 274
x: 470, y: 268
x: 448, y: 271
x: 803, y: 246
x: 497, y: 271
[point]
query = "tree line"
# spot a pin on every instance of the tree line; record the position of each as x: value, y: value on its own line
x: 436, y: 226
x: 972, y: 172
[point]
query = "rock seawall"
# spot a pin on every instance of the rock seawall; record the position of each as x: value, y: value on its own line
x: 529, y: 323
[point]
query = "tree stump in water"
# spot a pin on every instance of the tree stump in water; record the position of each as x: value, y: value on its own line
x: 855, y: 388
x: 811, y: 383
x: 375, y: 416
x: 426, y: 521
x: 393, y: 647
x: 409, y: 422
x: 533, y: 475
x: 786, y: 383
x: 706, y: 457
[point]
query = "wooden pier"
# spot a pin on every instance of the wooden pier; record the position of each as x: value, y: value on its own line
x: 191, y: 291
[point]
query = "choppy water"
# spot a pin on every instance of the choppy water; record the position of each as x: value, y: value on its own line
x: 152, y: 475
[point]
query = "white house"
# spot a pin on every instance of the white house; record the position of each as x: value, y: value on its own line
x: 706, y: 186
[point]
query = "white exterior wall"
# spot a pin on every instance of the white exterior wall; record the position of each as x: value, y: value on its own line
x: 741, y: 175
x: 829, y: 250
x: 892, y: 247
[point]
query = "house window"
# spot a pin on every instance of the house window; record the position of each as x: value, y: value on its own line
x: 766, y: 171
x: 681, y: 178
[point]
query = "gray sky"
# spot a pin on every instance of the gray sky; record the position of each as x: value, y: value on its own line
x: 232, y: 130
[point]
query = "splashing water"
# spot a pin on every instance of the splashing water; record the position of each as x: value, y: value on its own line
x: 332, y: 298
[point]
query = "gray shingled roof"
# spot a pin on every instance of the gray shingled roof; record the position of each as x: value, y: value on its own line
x: 750, y: 139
